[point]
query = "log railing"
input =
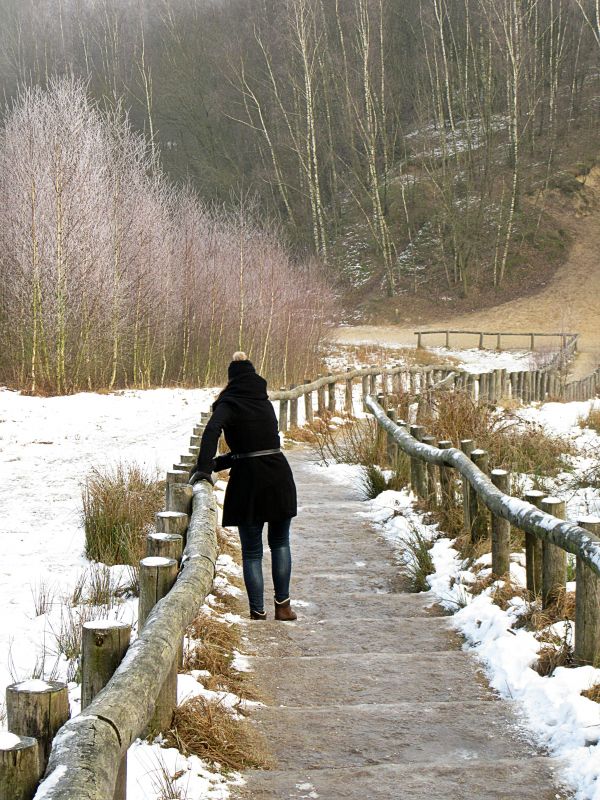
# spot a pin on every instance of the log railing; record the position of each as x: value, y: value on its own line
x: 127, y: 691
x: 333, y: 393
x: 489, y: 510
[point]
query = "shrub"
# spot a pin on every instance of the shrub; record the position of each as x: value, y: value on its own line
x: 119, y: 504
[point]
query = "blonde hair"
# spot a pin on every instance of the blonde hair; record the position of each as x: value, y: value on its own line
x: 239, y: 356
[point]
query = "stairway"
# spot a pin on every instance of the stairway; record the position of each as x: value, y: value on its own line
x: 370, y: 695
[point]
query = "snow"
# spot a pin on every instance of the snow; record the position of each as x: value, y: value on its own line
x: 32, y: 686
x: 47, y: 447
x: 8, y: 740
x: 156, y: 561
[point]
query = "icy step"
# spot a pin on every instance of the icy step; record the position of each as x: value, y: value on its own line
x: 326, y: 636
x: 357, y: 678
x: 510, y: 779
x: 401, y: 733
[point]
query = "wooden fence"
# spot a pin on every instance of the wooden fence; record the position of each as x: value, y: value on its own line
x: 568, y: 341
x: 465, y: 481
x: 127, y: 691
x: 334, y: 393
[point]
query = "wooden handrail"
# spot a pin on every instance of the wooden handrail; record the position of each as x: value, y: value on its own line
x: 519, y: 513
x: 87, y: 750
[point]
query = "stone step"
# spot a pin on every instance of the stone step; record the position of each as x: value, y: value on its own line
x: 357, y: 678
x: 327, y: 636
x: 401, y: 733
x: 509, y: 779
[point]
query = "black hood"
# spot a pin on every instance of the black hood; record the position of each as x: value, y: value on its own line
x: 244, y: 386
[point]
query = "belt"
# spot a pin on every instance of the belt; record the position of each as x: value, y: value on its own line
x: 256, y: 453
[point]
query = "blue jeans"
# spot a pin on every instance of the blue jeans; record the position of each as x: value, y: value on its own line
x: 281, y: 560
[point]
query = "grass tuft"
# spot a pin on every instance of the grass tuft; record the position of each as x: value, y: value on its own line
x: 119, y: 504
x: 418, y: 563
x: 593, y: 693
x: 212, y: 732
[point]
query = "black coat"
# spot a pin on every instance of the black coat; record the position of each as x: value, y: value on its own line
x: 260, y: 489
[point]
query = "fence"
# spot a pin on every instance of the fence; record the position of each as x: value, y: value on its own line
x: 568, y: 340
x: 127, y: 691
x: 548, y: 537
x: 321, y: 395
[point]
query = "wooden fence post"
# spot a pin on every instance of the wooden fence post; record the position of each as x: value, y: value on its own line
x: 587, y: 602
x: 446, y: 487
x: 349, y: 406
x: 554, y: 558
x: 432, y: 497
x: 293, y: 410
x: 373, y: 382
x: 331, y: 397
x: 392, y: 444
x: 19, y: 767
x: 157, y: 576
x: 165, y: 545
x: 477, y: 510
x: 175, y: 476
x: 321, y: 405
x: 501, y: 528
x: 467, y: 446
x: 103, y: 646
x: 417, y: 467
x: 283, y: 415
x: 180, y: 498
x: 308, y: 406
x: 533, y: 549
x: 171, y: 522
x: 38, y: 709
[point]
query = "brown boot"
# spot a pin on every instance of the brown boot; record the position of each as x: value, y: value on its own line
x: 258, y: 615
x: 283, y: 611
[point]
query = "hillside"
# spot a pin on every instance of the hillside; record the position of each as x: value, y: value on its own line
x: 569, y: 302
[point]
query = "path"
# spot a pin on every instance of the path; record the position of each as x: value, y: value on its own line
x: 571, y: 302
x: 370, y: 693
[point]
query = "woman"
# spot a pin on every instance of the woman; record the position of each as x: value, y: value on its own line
x: 261, y: 486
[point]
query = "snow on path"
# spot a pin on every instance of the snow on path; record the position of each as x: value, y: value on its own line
x: 47, y: 447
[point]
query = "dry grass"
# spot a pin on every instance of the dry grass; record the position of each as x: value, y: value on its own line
x: 593, y: 693
x: 512, y: 443
x: 119, y: 504
x: 591, y: 420
x: 228, y: 543
x: 552, y: 656
x: 43, y: 597
x: 538, y: 619
x: 504, y: 591
x: 212, y: 732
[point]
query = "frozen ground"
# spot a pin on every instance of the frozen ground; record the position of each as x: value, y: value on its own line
x: 47, y: 446
x: 471, y: 360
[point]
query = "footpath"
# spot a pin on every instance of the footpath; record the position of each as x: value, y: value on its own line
x: 370, y: 696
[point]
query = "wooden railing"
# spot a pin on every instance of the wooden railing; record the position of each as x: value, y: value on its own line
x: 321, y: 396
x: 127, y: 691
x: 568, y: 341
x: 483, y: 495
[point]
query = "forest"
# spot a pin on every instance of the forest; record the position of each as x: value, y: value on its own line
x: 179, y: 177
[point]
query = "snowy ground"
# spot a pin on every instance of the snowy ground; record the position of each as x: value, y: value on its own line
x: 561, y: 719
x: 47, y: 446
x: 471, y: 360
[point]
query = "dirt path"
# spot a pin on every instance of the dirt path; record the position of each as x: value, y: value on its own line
x: 370, y: 693
x: 570, y: 303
